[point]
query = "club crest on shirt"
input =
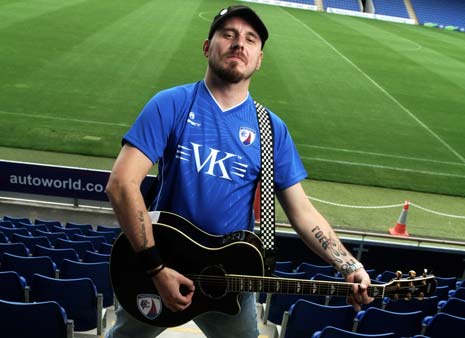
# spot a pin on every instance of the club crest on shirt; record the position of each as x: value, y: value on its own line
x: 149, y: 305
x: 247, y: 136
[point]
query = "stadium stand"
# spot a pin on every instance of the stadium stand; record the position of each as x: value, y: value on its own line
x: 57, y: 255
x: 453, y: 306
x: 351, y: 5
x: 427, y: 306
x: 442, y: 325
x: 28, y: 266
x: 13, y: 287
x: 443, y: 13
x: 18, y: 249
x: 391, y: 8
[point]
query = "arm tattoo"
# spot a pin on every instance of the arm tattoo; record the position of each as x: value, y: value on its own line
x: 332, y: 244
x: 140, y: 218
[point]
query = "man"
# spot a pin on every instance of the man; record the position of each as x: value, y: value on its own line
x: 205, y: 139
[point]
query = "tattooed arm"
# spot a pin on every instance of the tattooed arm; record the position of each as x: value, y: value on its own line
x: 319, y: 236
x: 123, y: 190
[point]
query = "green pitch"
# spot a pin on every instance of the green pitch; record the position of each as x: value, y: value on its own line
x: 367, y: 102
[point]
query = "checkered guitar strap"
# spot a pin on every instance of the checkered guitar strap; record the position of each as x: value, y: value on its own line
x: 267, y: 207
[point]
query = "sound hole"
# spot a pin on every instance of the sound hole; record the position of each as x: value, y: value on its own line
x: 212, y: 282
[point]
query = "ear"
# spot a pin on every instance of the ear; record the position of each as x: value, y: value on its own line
x: 206, y: 47
x: 259, y: 62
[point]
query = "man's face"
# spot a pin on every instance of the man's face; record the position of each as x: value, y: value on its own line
x: 234, y: 52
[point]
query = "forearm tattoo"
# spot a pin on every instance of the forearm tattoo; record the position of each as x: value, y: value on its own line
x: 335, y: 247
x: 140, y: 218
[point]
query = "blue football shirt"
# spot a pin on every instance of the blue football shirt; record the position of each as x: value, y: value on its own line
x: 209, y: 159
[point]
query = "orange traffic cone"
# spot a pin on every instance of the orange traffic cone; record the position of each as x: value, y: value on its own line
x: 401, y: 227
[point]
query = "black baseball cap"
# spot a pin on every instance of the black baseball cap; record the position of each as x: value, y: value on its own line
x: 243, y: 12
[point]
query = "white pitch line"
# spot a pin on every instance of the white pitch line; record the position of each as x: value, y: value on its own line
x: 378, y: 166
x: 380, y: 154
x: 65, y: 119
x: 384, y: 91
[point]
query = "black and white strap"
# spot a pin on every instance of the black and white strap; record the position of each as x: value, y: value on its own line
x: 267, y: 204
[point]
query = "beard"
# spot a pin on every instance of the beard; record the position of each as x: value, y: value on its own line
x: 228, y: 72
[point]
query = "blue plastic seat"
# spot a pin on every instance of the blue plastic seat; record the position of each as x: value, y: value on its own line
x: 286, y: 266
x: 105, y: 248
x: 70, y: 231
x: 457, y: 293
x: 442, y: 292
x: 48, y: 223
x: 77, y: 296
x: 95, y: 240
x: 442, y: 325
x: 3, y: 238
x: 52, y: 236
x: 304, y: 318
x: 334, y: 332
x: 8, y: 232
x: 375, y: 320
x: 13, y: 287
x: 16, y: 220
x: 79, y: 246
x: 450, y: 282
x: 116, y: 230
x: 108, y: 235
x: 428, y: 305
x: 312, y: 269
x: 98, y: 272
x: 6, y: 224
x: 18, y: 249
x: 32, y: 227
x: 57, y: 255
x: 453, y: 306
x: 34, y: 320
x: 28, y: 266
x: 95, y: 257
x: 31, y: 241
x: 83, y: 227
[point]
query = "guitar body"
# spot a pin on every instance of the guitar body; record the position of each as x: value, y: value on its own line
x: 192, y: 252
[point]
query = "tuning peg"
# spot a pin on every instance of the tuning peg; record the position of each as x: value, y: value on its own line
x: 408, y: 296
x: 425, y: 272
x: 412, y: 274
x: 399, y: 274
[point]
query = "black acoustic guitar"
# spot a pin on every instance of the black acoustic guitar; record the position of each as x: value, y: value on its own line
x: 222, y: 268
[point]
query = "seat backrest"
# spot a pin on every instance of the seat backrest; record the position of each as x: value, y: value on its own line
x: 312, y: 269
x: 31, y: 241
x: 442, y: 324
x: 116, y: 230
x: 98, y: 272
x: 108, y: 235
x: 32, y: 228
x: 28, y: 266
x: 57, y: 255
x: 32, y: 320
x: 69, y: 231
x: 449, y: 281
x: 458, y: 293
x: 427, y: 305
x: 300, y: 325
x: 386, y: 276
x: 375, y: 320
x: 95, y: 240
x: 334, y: 332
x: 8, y: 232
x: 83, y: 227
x: 453, y: 306
x: 3, y: 238
x: 79, y: 246
x: 105, y: 248
x: 48, y: 223
x: 77, y: 296
x: 52, y: 236
x: 12, y: 286
x: 16, y: 220
x: 6, y: 224
x: 95, y: 257
x: 442, y: 292
x: 18, y: 249
x: 286, y: 266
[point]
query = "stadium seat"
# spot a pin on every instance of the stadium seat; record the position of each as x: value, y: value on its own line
x: 28, y: 266
x: 453, y: 306
x: 95, y: 240
x: 8, y: 232
x: 442, y: 292
x: 375, y: 320
x: 79, y: 246
x: 428, y: 306
x: 13, y: 287
x: 83, y: 227
x: 16, y: 220
x: 286, y: 266
x: 77, y: 296
x: 57, y: 255
x: 450, y: 282
x: 105, y: 248
x: 95, y: 257
x: 70, y: 231
x: 98, y: 272
x: 108, y: 235
x: 32, y: 227
x: 18, y: 249
x: 296, y: 321
x: 6, y: 224
x: 48, y: 223
x: 442, y: 324
x: 312, y: 269
x: 31, y: 241
x: 329, y: 300
x: 116, y: 230
x: 52, y: 236
x: 3, y: 238
x: 386, y: 276
x: 334, y: 332
x: 457, y: 293
x: 34, y: 320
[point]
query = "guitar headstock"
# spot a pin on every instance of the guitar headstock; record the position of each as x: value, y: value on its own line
x: 411, y: 286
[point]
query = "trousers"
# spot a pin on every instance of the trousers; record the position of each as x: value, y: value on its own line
x: 212, y: 324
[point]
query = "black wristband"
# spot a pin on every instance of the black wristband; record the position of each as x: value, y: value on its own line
x: 155, y: 271
x: 149, y: 258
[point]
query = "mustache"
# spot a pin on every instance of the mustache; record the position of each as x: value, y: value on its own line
x: 238, y: 55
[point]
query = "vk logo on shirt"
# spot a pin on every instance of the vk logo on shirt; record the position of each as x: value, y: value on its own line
x: 215, y: 162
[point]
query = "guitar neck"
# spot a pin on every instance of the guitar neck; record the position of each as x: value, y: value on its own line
x: 238, y: 283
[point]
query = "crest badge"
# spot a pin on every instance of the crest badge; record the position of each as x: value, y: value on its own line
x: 247, y: 136
x: 149, y: 305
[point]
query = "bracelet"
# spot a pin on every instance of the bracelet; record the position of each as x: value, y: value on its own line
x: 149, y: 258
x: 348, y: 268
x: 154, y: 272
